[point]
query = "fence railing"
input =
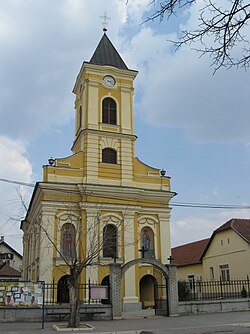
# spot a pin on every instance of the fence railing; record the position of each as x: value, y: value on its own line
x: 88, y: 293
x: 210, y: 290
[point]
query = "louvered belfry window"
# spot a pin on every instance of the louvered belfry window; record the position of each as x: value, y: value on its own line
x: 109, y: 111
x: 109, y: 155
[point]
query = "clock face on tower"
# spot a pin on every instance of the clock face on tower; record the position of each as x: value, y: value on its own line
x: 109, y: 81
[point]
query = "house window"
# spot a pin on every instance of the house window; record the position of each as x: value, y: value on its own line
x: 191, y: 281
x: 109, y: 155
x: 211, y: 270
x: 109, y: 111
x: 110, y: 241
x: 224, y: 272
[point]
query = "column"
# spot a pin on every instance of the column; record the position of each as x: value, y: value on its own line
x: 165, y: 236
x: 130, y: 300
x: 115, y: 282
x: 92, y: 243
x: 47, y: 248
x: 173, y: 301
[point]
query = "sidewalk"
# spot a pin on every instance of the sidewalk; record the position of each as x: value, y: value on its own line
x: 236, y: 322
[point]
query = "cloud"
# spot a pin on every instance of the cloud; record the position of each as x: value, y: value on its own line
x: 178, y: 90
x: 13, y: 166
x: 191, y: 229
x: 201, y: 225
x: 43, y: 45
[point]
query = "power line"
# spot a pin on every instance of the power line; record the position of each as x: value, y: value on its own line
x: 210, y: 206
x: 173, y: 204
x: 18, y: 182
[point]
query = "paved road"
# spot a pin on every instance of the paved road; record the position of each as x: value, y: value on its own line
x: 219, y: 323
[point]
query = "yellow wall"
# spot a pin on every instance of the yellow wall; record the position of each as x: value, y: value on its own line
x: 184, y: 271
x: 227, y: 247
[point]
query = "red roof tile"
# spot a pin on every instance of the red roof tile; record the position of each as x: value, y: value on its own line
x: 240, y: 226
x: 190, y: 253
x: 9, y: 272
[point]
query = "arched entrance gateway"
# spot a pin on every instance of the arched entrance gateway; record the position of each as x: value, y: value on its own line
x: 169, y: 273
x: 148, y: 284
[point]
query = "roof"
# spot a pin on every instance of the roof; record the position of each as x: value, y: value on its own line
x: 2, y: 242
x: 193, y: 252
x: 240, y: 226
x: 106, y: 54
x: 189, y: 253
x: 7, y: 271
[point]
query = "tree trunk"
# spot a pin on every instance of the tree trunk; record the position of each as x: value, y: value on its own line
x: 74, y: 315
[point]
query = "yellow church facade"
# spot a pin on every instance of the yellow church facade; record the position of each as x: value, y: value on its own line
x: 101, y: 200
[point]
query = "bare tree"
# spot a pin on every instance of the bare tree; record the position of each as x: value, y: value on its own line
x: 76, y: 259
x: 221, y: 29
x: 80, y: 253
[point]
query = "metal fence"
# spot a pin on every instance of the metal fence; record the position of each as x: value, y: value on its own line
x: 212, y: 290
x: 88, y: 293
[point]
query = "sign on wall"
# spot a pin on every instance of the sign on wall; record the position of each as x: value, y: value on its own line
x: 98, y: 292
x: 15, y: 294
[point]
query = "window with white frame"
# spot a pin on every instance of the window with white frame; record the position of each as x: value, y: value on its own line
x: 211, y: 271
x: 191, y: 281
x: 224, y: 272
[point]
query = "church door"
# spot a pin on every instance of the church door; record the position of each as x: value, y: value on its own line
x: 106, y: 282
x: 63, y: 290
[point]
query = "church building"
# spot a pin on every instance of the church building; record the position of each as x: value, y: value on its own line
x: 101, y: 201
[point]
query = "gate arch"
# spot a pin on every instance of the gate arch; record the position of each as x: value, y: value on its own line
x: 163, y: 269
x: 117, y: 271
x: 161, y: 308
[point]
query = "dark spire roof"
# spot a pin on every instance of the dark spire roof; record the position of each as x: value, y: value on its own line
x: 106, y: 54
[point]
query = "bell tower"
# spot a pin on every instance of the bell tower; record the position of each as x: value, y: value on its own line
x: 104, y: 126
x: 102, y: 191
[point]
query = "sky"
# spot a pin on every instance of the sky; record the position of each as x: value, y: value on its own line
x: 191, y: 123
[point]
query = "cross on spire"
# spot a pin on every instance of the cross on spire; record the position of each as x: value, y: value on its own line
x: 105, y: 18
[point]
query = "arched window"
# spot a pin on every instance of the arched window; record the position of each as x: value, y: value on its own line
x: 110, y: 241
x: 68, y: 240
x: 109, y: 155
x: 147, y: 243
x: 108, y: 111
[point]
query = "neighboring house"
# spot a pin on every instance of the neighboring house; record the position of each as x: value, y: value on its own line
x: 10, y: 261
x: 7, y: 272
x: 225, y: 256
x: 102, y: 192
x: 188, y: 259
